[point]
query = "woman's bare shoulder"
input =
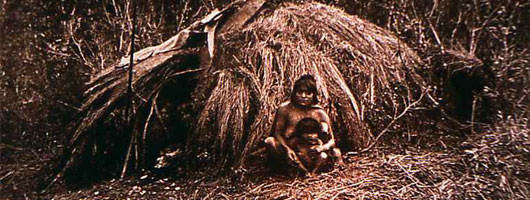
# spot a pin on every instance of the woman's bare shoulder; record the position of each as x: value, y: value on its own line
x: 320, y: 113
x: 284, y: 106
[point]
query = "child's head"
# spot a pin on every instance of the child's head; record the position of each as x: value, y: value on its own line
x: 308, y: 128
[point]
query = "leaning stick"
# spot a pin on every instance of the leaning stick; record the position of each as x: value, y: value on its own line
x: 127, y: 157
x: 130, y: 93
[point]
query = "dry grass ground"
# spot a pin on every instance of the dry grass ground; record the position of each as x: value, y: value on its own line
x: 489, y: 165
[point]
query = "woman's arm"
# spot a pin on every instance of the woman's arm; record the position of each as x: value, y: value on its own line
x: 326, y: 128
x: 279, y: 129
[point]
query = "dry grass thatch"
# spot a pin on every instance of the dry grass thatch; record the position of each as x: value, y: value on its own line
x: 362, y: 70
x: 366, y: 75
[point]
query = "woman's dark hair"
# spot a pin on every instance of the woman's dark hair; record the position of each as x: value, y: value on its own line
x: 308, y: 83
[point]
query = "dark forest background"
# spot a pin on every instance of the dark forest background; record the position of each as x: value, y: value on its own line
x: 477, y: 54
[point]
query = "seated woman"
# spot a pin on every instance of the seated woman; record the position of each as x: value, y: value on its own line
x: 303, y: 104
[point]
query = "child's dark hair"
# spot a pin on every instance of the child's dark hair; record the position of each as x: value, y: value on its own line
x: 305, y: 82
x: 307, y: 125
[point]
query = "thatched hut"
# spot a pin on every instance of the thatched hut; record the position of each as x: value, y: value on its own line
x: 243, y: 61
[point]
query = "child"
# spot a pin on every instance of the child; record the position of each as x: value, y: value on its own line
x: 307, y: 142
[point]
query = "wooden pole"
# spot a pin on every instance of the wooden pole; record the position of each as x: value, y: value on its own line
x: 130, y: 94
